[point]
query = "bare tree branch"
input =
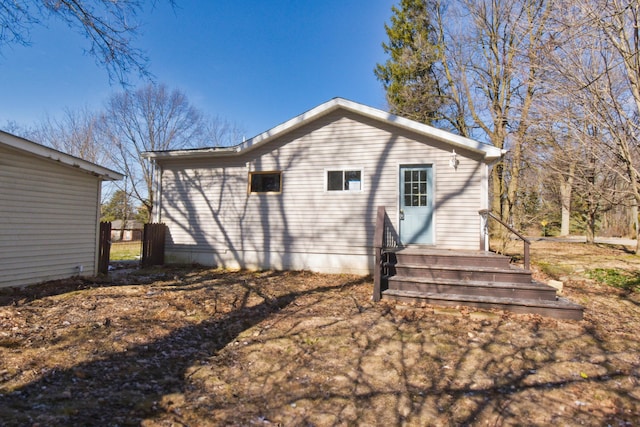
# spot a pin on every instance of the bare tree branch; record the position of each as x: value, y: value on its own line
x: 110, y: 26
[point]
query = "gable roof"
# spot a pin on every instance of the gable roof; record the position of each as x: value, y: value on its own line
x: 489, y: 151
x: 50, y: 154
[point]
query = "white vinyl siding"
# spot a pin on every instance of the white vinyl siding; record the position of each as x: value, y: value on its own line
x: 48, y: 219
x: 206, y: 206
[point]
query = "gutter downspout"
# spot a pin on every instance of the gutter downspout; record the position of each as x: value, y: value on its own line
x: 157, y: 188
x: 96, y: 257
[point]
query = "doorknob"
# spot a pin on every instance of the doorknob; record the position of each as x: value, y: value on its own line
x: 401, y: 214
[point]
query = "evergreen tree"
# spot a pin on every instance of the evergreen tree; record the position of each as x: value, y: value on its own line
x: 409, y: 76
x: 118, y: 207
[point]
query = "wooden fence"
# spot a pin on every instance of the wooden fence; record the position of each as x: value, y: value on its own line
x: 153, y: 244
x: 104, y: 248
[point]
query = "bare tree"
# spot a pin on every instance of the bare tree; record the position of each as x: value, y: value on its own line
x: 455, y: 112
x: 569, y: 152
x: 148, y: 119
x: 556, y: 151
x: 109, y: 25
x: 76, y: 133
x: 491, y: 60
x: 503, y: 77
x: 600, y: 69
x: 480, y: 68
x: 555, y: 83
x: 220, y: 132
x: 154, y: 118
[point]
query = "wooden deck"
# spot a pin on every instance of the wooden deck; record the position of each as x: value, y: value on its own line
x: 470, y: 278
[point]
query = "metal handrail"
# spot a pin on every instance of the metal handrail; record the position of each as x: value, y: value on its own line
x: 486, y: 214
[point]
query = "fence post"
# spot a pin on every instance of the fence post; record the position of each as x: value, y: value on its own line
x: 104, y: 248
x: 153, y: 244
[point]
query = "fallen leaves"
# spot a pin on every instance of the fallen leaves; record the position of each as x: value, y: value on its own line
x: 215, y: 347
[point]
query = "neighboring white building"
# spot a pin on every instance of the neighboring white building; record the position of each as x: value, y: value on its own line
x: 49, y: 213
x: 304, y: 194
x: 132, y: 230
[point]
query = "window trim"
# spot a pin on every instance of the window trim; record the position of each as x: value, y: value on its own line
x: 273, y: 172
x: 343, y: 170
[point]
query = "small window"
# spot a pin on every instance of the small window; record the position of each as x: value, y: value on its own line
x: 344, y: 180
x: 265, y: 182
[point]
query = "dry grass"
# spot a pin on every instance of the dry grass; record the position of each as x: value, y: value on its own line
x: 125, y: 251
x: 213, y: 347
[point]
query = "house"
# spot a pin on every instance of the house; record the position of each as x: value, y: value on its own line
x: 130, y: 231
x: 49, y: 212
x: 346, y: 188
x: 304, y: 194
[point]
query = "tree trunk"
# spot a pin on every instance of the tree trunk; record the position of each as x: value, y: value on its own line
x: 122, y: 228
x: 636, y: 224
x: 566, y: 186
x: 591, y: 226
x: 497, y: 189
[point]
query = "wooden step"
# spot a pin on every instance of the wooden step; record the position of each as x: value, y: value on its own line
x: 462, y: 273
x: 448, y: 257
x: 558, y: 309
x: 530, y: 290
x: 470, y: 278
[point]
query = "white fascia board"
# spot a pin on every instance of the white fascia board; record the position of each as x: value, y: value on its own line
x: 191, y: 153
x: 39, y: 150
x: 490, y: 152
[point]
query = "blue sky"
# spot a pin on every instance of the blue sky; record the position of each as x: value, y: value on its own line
x: 255, y: 63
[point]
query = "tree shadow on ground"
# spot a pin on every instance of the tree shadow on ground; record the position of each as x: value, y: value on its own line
x: 123, y: 388
x: 26, y: 294
x: 279, y: 349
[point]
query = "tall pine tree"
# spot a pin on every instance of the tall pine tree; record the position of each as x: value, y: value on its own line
x: 409, y: 76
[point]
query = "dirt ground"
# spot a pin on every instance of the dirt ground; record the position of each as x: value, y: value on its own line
x: 198, y: 347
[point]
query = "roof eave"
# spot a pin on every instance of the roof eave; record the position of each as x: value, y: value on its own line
x: 191, y: 154
x: 39, y: 150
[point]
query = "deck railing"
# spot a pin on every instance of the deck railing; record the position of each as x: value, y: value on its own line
x: 486, y: 214
x: 385, y: 238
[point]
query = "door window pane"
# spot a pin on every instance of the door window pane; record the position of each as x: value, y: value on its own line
x: 415, y: 187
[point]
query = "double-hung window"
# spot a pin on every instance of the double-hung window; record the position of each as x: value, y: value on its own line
x: 344, y: 180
